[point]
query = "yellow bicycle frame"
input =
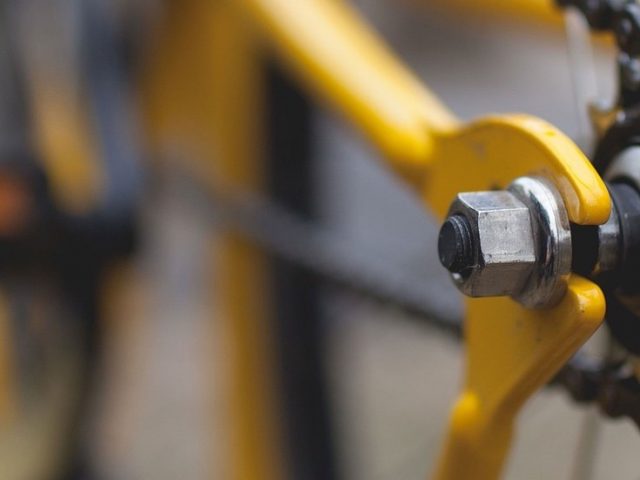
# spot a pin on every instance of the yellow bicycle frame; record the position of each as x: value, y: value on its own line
x: 201, y: 93
x: 536, y: 10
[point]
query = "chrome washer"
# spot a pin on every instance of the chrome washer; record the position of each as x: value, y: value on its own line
x: 548, y: 281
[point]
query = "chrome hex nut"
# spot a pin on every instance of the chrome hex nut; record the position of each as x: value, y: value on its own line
x: 504, y: 244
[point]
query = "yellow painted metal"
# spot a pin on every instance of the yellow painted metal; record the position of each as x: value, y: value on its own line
x: 8, y: 390
x: 63, y: 136
x: 511, y: 351
x: 342, y: 61
x: 538, y: 10
x: 202, y: 105
x: 492, y: 151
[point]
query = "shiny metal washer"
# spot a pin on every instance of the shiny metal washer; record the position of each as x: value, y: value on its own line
x: 552, y: 232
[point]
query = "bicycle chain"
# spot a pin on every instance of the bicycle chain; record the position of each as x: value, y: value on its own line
x: 315, y: 248
x: 611, y: 384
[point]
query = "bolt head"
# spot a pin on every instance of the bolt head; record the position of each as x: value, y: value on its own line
x: 502, y: 235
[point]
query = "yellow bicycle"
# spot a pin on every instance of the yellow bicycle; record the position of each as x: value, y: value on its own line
x: 222, y: 93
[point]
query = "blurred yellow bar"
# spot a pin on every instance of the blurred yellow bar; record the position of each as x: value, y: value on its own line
x: 203, y: 98
x: 535, y: 10
x: 8, y: 386
x: 345, y: 64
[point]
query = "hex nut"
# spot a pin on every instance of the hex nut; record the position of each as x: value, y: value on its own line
x: 505, y: 253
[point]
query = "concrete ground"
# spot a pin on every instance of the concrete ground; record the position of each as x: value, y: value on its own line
x: 394, y: 381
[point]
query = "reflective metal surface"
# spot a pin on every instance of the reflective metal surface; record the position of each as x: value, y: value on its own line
x: 552, y: 234
x: 609, y: 243
x: 504, y: 243
x: 521, y: 243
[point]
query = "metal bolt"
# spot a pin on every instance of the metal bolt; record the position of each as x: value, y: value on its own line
x: 514, y: 242
x: 487, y: 243
x: 455, y: 244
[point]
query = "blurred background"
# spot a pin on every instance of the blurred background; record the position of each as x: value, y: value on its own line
x: 123, y: 238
